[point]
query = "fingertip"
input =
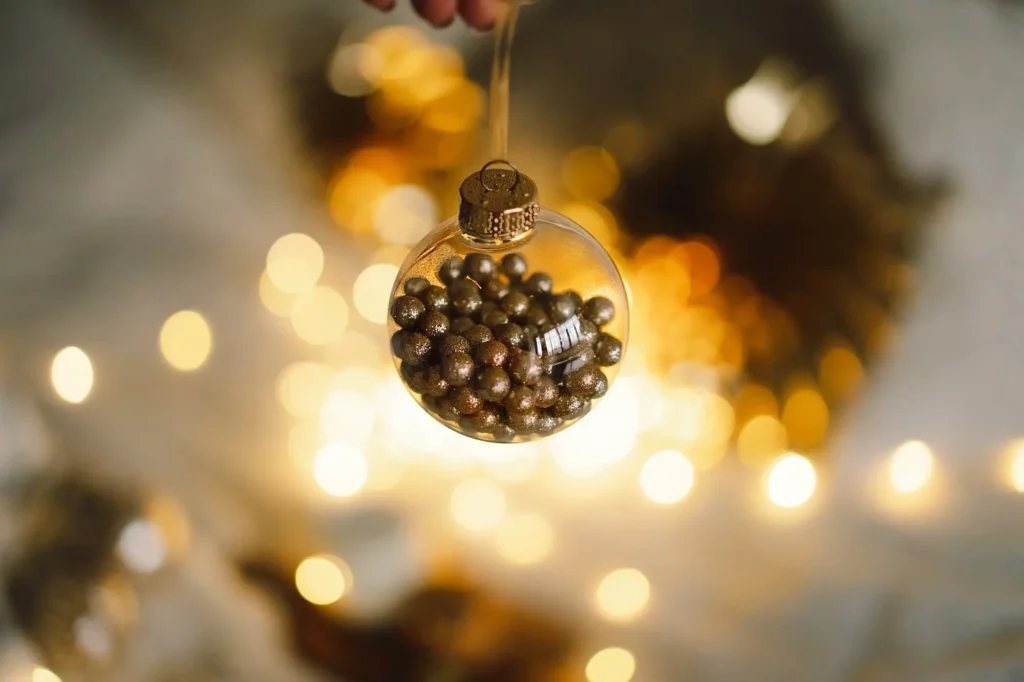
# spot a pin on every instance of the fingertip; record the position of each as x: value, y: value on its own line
x: 480, y: 14
x: 440, y: 13
x: 382, y: 5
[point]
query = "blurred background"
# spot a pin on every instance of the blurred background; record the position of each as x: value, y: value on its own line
x: 808, y: 469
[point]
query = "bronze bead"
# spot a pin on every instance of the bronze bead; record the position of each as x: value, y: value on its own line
x: 465, y: 297
x: 415, y: 377
x: 450, y: 270
x: 525, y: 367
x: 494, y: 290
x: 588, y: 332
x: 524, y: 422
x: 461, y: 325
x: 545, y: 392
x: 452, y: 343
x: 478, y: 334
x: 480, y: 267
x: 569, y: 406
x: 510, y: 334
x: 515, y: 304
x: 486, y: 307
x: 577, y: 300
x: 514, y: 266
x: 584, y: 380
x: 416, y: 348
x: 407, y: 311
x: 434, y: 324
x: 536, y: 315
x: 446, y: 410
x: 538, y: 284
x: 495, y: 318
x: 486, y: 418
x: 561, y: 307
x: 609, y: 350
x: 503, y: 433
x: 600, y: 387
x: 436, y: 298
x: 415, y: 286
x: 435, y: 383
x: 491, y: 353
x: 520, y: 399
x: 466, y: 401
x: 457, y: 368
x: 397, y: 342
x: 493, y: 384
x: 599, y: 310
x: 547, y: 422
x: 467, y: 423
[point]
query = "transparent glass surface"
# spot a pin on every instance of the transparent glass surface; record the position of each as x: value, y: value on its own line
x: 567, y: 354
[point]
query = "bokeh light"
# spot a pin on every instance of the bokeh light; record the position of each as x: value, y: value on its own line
x: 142, y: 547
x: 295, y: 263
x: 405, y: 214
x: 340, y: 470
x: 524, y: 538
x: 623, y: 595
x: 667, y: 477
x: 371, y: 291
x: 840, y: 372
x: 72, y: 375
x: 276, y: 301
x: 805, y: 416
x: 791, y: 481
x: 911, y: 466
x: 320, y: 316
x: 613, y: 664
x: 322, y: 579
x: 40, y: 674
x: 1016, y: 453
x: 761, y: 440
x: 757, y: 111
x: 355, y: 70
x: 347, y: 416
x: 590, y: 173
x: 186, y: 340
x: 478, y: 504
x: 303, y: 386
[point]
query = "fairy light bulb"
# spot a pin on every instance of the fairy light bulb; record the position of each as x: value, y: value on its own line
x: 508, y: 323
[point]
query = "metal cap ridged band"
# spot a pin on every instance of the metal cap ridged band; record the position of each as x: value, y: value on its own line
x: 497, y: 204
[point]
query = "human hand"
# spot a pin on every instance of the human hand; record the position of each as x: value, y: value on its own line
x: 480, y: 14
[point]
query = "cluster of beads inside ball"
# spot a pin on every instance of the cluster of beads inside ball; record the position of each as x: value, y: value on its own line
x: 495, y: 352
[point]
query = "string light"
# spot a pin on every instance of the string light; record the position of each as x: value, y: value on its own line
x: 613, y: 664
x: 186, y: 340
x: 623, y: 595
x: 478, y: 504
x: 295, y: 263
x: 340, y: 470
x: 72, y: 375
x: 322, y: 579
x: 371, y: 291
x: 667, y: 477
x: 791, y: 481
x: 911, y: 466
x: 524, y: 538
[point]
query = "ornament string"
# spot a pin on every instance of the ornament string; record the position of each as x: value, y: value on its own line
x: 500, y: 70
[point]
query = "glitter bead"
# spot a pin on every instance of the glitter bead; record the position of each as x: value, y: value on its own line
x: 494, y: 290
x: 434, y: 324
x: 609, y: 350
x: 486, y: 418
x: 514, y: 266
x: 436, y: 298
x: 415, y: 286
x: 569, y: 406
x: 457, y: 368
x: 537, y: 316
x: 584, y: 380
x: 407, y: 311
x: 450, y: 270
x: 465, y: 297
x: 545, y: 392
x: 561, y: 307
x: 599, y: 310
x: 524, y: 422
x: 520, y: 399
x: 589, y: 332
x: 494, y: 319
x: 493, y: 384
x: 478, y: 334
x: 515, y: 304
x: 539, y: 283
x: 466, y: 401
x: 526, y: 367
x: 452, y: 343
x: 503, y: 433
x: 461, y: 325
x: 491, y: 353
x: 480, y: 267
x: 510, y: 334
x: 435, y: 383
x: 416, y: 348
x: 547, y: 422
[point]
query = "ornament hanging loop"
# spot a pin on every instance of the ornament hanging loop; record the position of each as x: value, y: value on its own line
x: 482, y: 175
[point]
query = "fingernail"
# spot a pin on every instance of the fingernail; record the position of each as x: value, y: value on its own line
x: 446, y: 23
x: 485, y: 27
x: 389, y: 7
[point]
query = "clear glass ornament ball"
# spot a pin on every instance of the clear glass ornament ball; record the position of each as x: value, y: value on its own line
x: 508, y: 337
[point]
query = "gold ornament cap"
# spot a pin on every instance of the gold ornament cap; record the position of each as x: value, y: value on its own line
x: 498, y: 204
